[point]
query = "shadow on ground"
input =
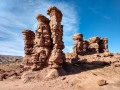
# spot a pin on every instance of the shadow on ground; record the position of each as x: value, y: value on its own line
x: 83, y: 65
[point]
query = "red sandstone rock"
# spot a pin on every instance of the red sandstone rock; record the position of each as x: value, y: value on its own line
x: 29, y: 37
x: 57, y: 56
x: 45, y: 45
x: 78, y: 45
x: 91, y: 46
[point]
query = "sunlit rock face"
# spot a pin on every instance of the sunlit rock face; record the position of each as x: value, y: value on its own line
x: 93, y: 45
x: 44, y: 47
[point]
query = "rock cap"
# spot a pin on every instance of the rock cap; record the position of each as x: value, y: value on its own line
x: 27, y: 31
x: 42, y: 18
x: 77, y: 36
x: 57, y: 11
x: 53, y: 8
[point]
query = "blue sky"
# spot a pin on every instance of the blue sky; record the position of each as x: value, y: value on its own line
x: 89, y: 17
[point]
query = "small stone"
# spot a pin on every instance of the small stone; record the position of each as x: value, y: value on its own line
x: 63, y: 78
x: 117, y: 65
x: 102, y: 82
x: 95, y: 74
x: 3, y: 76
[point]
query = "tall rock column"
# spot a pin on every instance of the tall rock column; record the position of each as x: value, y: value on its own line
x: 42, y: 42
x: 57, y: 56
x: 29, y: 37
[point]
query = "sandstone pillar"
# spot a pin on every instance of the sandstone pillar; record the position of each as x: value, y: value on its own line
x: 57, y: 56
x: 29, y: 37
x: 42, y: 42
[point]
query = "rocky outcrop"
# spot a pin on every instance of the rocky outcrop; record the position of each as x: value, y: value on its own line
x: 91, y: 46
x: 42, y: 43
x: 44, y: 47
x: 29, y: 37
x: 57, y: 57
x: 78, y: 45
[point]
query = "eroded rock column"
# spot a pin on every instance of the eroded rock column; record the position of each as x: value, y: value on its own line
x: 57, y: 56
x: 42, y: 43
x: 29, y: 37
x: 78, y: 44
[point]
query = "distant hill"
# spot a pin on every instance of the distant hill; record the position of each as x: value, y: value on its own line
x: 10, y: 58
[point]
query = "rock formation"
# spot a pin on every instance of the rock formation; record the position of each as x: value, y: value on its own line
x: 91, y: 46
x: 85, y: 46
x: 103, y: 45
x: 78, y: 45
x: 57, y: 57
x: 94, y: 44
x: 44, y: 47
x: 29, y: 37
x: 42, y: 42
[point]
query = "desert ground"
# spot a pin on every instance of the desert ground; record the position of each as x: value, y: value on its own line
x: 84, y: 75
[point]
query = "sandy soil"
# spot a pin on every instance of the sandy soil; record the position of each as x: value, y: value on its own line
x: 83, y: 76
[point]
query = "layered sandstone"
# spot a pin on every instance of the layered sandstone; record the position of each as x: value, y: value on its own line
x: 44, y: 47
x: 91, y: 46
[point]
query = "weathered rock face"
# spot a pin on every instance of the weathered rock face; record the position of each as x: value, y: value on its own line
x: 94, y: 44
x: 103, y: 45
x: 91, y: 46
x: 78, y: 45
x: 42, y: 42
x: 57, y: 57
x: 29, y: 37
x: 85, y: 46
x: 44, y: 47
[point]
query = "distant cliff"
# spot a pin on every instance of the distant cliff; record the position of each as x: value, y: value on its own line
x: 10, y: 58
